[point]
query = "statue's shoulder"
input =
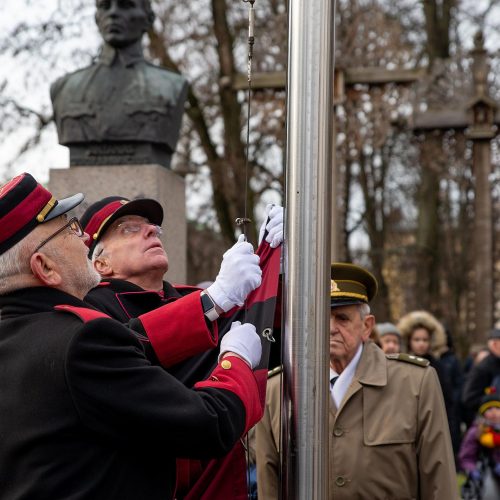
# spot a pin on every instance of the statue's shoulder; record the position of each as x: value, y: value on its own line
x: 409, y: 358
x: 74, y: 78
x: 162, y: 73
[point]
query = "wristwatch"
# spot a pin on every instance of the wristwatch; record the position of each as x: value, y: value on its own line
x: 208, y: 306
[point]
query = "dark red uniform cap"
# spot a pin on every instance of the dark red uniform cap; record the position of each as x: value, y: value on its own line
x: 101, y: 214
x: 24, y: 203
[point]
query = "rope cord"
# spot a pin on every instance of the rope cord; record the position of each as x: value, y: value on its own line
x: 245, y: 219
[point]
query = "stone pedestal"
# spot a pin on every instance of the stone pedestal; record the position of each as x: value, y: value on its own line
x: 134, y: 181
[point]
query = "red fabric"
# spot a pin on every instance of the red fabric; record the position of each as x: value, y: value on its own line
x: 98, y: 219
x: 240, y: 380
x: 222, y: 479
x: 188, y: 472
x: 24, y: 212
x: 270, y: 264
x: 226, y: 478
x: 83, y: 313
x: 163, y: 325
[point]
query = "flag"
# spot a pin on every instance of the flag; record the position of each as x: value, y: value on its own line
x: 227, y: 477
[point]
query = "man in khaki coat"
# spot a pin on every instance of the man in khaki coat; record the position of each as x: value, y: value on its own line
x: 389, y: 436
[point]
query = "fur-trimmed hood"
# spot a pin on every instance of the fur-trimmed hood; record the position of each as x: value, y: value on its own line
x: 415, y: 319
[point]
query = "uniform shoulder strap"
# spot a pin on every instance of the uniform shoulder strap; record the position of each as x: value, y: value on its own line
x: 409, y: 358
x: 84, y: 313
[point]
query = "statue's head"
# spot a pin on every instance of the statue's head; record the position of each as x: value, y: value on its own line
x: 122, y: 22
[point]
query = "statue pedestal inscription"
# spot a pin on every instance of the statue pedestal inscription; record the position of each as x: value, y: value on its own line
x: 134, y: 181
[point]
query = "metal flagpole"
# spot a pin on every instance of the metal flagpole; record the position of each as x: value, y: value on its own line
x: 305, y: 402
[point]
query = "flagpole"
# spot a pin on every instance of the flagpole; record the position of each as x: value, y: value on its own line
x: 305, y: 402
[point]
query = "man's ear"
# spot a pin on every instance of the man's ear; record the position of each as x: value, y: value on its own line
x: 103, y: 266
x: 369, y: 324
x: 45, y: 270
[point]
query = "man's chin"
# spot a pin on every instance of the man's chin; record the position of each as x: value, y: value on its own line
x: 159, y: 264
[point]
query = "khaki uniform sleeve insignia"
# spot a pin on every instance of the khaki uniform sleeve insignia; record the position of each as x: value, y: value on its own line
x: 409, y: 358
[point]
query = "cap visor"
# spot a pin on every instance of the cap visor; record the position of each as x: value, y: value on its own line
x: 345, y: 302
x: 65, y: 205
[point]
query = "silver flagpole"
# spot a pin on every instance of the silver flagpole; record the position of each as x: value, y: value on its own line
x: 305, y: 402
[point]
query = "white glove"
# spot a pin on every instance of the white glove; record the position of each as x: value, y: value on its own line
x: 239, y: 274
x: 274, y: 227
x: 242, y: 339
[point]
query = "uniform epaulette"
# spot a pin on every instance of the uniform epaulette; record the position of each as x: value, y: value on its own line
x: 84, y: 313
x: 409, y: 358
x: 274, y: 371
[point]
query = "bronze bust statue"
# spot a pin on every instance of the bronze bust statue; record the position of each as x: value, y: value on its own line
x: 121, y: 109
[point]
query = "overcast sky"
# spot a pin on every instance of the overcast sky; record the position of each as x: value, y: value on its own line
x: 33, y: 91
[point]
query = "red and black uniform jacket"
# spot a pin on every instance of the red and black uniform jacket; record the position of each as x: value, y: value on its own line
x: 181, y: 304
x: 84, y: 414
x: 179, y: 326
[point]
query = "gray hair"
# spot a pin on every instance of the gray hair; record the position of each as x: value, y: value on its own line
x: 14, y: 262
x: 364, y: 310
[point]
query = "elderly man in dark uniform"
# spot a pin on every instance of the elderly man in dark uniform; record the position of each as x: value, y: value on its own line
x: 121, y: 107
x: 126, y: 251
x: 389, y: 434
x: 83, y: 412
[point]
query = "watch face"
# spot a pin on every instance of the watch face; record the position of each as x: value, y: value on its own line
x: 206, y: 302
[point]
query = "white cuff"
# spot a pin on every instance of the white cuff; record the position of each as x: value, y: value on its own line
x: 219, y: 296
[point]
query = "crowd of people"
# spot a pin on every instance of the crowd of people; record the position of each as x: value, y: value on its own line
x: 118, y: 384
x: 471, y: 392
x: 369, y: 450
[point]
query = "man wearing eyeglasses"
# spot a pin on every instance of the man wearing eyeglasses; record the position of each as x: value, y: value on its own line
x: 127, y: 252
x: 83, y: 412
x: 125, y: 249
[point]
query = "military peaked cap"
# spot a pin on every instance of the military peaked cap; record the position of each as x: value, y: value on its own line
x: 101, y: 214
x: 24, y: 203
x: 351, y: 284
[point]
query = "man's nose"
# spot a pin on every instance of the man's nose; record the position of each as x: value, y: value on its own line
x: 113, y: 7
x: 333, y: 326
x: 150, y: 230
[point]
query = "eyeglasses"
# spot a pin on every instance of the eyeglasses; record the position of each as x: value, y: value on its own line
x: 128, y: 228
x: 73, y: 225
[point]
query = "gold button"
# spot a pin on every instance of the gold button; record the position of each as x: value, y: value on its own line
x: 226, y: 364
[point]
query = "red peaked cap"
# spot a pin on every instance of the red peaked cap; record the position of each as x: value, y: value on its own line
x: 101, y: 214
x: 24, y: 203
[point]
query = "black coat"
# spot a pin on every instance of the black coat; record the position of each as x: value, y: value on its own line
x: 444, y: 381
x: 84, y: 414
x: 123, y: 300
x: 481, y: 376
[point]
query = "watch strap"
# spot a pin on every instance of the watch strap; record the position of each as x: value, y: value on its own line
x: 208, y: 306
